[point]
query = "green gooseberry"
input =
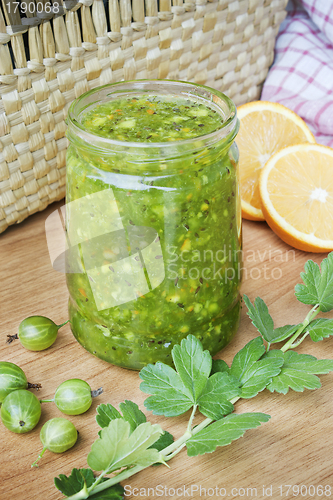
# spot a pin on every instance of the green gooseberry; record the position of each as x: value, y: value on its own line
x: 73, y: 396
x: 57, y: 435
x: 12, y: 378
x: 37, y: 333
x: 20, y: 411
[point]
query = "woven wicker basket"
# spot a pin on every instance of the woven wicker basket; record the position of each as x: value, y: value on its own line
x: 226, y: 44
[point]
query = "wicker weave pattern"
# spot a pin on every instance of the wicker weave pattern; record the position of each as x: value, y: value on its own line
x: 226, y: 44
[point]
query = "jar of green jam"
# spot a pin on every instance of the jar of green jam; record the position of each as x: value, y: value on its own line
x: 153, y: 220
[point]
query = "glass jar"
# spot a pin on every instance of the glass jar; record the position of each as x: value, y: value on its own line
x: 154, y: 232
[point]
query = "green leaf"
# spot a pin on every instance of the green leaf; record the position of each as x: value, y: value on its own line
x: 260, y: 317
x: 193, y: 365
x: 214, y: 402
x: 132, y: 414
x: 117, y: 447
x: 106, y: 413
x: 246, y: 357
x: 318, y: 285
x: 219, y: 366
x: 253, y: 370
x: 263, y: 321
x: 169, y: 397
x: 174, y: 393
x: 223, y: 432
x: 259, y: 375
x: 75, y: 482
x: 163, y: 441
x: 298, y: 372
x: 320, y: 329
x: 284, y: 332
x: 115, y: 492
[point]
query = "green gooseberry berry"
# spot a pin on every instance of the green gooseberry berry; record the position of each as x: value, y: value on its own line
x: 12, y: 378
x: 36, y: 333
x: 57, y: 435
x: 20, y: 411
x: 73, y: 396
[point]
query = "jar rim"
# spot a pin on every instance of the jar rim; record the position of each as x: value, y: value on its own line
x: 205, y: 94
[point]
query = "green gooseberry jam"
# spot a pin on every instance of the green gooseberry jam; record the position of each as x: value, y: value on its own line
x: 152, y: 119
x: 153, y: 221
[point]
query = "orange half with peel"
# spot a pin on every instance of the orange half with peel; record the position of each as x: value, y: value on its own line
x: 296, y: 190
x: 265, y: 128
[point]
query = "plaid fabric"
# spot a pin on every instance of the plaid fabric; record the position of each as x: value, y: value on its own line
x: 301, y: 77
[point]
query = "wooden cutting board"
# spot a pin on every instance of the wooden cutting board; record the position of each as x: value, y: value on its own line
x: 293, y: 448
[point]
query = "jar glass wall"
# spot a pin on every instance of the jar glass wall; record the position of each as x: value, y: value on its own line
x: 154, y: 228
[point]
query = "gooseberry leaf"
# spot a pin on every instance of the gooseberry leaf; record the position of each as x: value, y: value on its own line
x: 106, y: 413
x: 130, y: 412
x: 223, y: 432
x: 117, y: 447
x: 75, y: 482
x: 320, y: 329
x: 246, y: 357
x: 175, y: 392
x: 259, y: 375
x: 193, y: 365
x: 214, y: 402
x: 318, y: 284
x: 298, y: 372
x: 169, y: 396
x: 260, y: 317
x: 263, y: 321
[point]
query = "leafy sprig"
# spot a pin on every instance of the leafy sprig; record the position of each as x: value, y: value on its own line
x: 127, y: 443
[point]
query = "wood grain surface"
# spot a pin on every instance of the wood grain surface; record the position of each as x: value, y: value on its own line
x: 293, y: 448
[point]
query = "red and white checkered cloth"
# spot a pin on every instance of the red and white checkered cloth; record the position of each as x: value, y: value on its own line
x: 301, y: 77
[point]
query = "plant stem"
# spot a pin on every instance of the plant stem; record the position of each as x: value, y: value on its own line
x: 299, y: 341
x: 81, y: 495
x: 63, y: 324
x: 169, y: 457
x: 39, y: 456
x: 189, y: 426
x: 309, y: 317
x: 112, y: 481
x: 97, y: 480
x: 46, y: 400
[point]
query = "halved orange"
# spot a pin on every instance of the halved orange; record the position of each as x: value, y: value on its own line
x: 296, y: 189
x: 265, y: 127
